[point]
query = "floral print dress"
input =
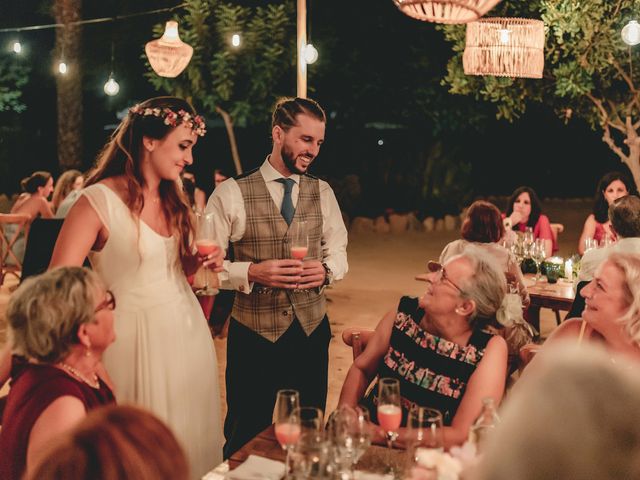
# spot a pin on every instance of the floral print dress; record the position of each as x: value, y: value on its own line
x: 433, y: 372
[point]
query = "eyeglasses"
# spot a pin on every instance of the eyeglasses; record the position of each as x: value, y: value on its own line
x: 442, y: 276
x: 109, y: 303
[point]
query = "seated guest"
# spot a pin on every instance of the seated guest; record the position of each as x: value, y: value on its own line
x: 483, y: 228
x: 524, y: 210
x: 66, y: 192
x: 33, y: 203
x: 611, y: 315
x: 624, y: 215
x: 115, y: 443
x: 575, y: 417
x: 597, y: 225
x: 436, y: 346
x: 60, y: 323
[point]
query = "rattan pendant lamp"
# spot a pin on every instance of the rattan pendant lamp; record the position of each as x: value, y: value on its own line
x: 446, y: 11
x: 504, y: 47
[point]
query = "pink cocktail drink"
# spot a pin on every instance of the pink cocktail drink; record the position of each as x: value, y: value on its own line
x: 299, y: 252
x: 206, y: 247
x: 389, y: 417
x: 287, y: 433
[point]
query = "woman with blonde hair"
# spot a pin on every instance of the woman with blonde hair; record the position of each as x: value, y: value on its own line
x: 60, y: 324
x: 115, y: 443
x: 612, y: 308
x: 66, y: 192
x: 134, y: 223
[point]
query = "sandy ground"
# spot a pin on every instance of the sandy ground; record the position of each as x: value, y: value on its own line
x: 381, y: 270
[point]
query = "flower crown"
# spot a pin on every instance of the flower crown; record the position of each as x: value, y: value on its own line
x: 172, y: 119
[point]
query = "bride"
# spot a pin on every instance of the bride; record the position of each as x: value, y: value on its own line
x: 134, y: 223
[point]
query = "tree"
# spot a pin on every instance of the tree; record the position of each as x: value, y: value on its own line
x: 588, y: 70
x: 14, y: 75
x: 69, y: 86
x: 239, y: 84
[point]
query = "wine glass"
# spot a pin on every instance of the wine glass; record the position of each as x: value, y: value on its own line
x: 311, y: 420
x: 389, y: 410
x: 528, y: 237
x: 538, y: 254
x: 341, y: 432
x: 362, y: 432
x: 206, y: 244
x: 287, y: 421
x: 299, y: 240
x: 590, y: 244
x: 425, y: 434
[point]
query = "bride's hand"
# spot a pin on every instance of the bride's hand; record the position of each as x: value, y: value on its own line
x: 213, y: 261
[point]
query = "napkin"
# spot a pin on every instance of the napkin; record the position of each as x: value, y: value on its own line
x: 257, y: 468
x: 359, y: 475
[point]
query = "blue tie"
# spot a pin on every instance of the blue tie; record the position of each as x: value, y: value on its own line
x: 287, y: 209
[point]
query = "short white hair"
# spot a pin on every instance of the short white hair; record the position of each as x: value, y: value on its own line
x: 488, y: 284
x: 575, y: 415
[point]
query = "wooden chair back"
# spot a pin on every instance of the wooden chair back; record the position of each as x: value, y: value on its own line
x: 9, y: 260
x: 357, y: 339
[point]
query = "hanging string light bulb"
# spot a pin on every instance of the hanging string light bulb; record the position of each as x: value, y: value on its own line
x: 62, y: 67
x: 631, y: 33
x: 17, y: 47
x: 112, y: 87
x: 310, y: 54
x: 235, y: 40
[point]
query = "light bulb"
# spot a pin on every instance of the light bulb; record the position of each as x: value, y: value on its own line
x: 171, y: 31
x: 235, y: 40
x: 112, y: 87
x: 310, y: 54
x: 62, y: 68
x: 505, y: 35
x: 17, y: 47
x: 631, y: 33
x: 380, y: 142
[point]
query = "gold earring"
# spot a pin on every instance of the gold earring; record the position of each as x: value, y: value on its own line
x: 87, y: 352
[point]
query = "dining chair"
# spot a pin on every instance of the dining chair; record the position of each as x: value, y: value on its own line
x: 556, y: 229
x: 43, y: 234
x: 357, y: 339
x: 12, y: 228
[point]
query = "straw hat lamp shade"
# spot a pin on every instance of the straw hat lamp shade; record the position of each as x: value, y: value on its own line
x: 169, y: 55
x: 446, y: 11
x: 504, y: 47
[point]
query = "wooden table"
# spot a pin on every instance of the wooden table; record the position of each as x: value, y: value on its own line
x: 264, y: 444
x: 556, y: 296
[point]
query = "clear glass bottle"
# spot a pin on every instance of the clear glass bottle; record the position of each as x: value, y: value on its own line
x: 486, y: 422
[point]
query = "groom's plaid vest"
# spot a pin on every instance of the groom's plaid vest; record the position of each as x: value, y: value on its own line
x: 270, y: 311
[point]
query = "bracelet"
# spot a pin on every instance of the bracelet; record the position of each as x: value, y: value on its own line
x: 328, y: 275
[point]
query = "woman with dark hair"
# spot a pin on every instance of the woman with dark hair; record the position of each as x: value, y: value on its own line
x: 36, y: 190
x: 115, y: 443
x: 33, y: 203
x: 483, y: 228
x: 525, y: 210
x: 611, y: 186
x: 135, y: 224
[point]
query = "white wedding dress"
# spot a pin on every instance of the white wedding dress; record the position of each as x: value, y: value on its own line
x: 163, y: 358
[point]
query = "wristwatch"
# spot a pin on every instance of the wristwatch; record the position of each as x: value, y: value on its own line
x: 328, y: 278
x: 507, y: 222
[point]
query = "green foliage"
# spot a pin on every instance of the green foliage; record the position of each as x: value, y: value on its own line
x: 13, y: 77
x: 585, y: 59
x: 243, y: 81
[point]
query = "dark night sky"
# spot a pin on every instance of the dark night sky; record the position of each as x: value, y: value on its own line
x: 371, y: 61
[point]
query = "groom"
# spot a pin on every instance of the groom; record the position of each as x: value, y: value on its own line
x: 279, y: 331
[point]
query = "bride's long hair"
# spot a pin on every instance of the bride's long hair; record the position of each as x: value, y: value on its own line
x: 122, y: 156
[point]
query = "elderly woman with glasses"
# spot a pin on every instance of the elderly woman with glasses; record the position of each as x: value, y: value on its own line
x: 436, y: 346
x: 60, y: 323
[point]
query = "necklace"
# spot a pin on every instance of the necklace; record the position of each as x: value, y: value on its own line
x: 94, y: 383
